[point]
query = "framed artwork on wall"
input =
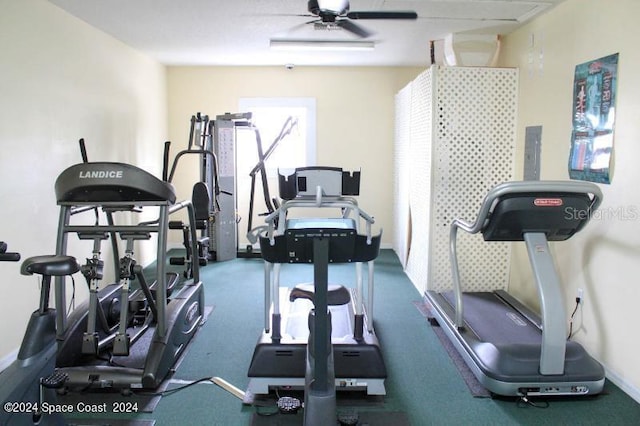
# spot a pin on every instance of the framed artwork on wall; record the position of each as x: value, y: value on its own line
x: 594, y: 95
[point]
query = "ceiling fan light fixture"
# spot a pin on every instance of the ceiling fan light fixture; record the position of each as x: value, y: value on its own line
x: 338, y: 7
x: 331, y: 45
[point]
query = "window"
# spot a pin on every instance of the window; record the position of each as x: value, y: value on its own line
x: 296, y: 117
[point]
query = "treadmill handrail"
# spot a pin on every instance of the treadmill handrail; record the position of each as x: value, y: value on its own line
x: 520, y: 187
x: 276, y: 223
x: 349, y: 204
x: 489, y: 203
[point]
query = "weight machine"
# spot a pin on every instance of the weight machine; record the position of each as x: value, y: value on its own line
x: 215, y: 200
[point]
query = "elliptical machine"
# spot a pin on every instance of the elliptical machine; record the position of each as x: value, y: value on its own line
x: 123, y: 337
x: 117, y: 321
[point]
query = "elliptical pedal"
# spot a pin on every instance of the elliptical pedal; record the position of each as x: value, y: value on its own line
x: 55, y: 380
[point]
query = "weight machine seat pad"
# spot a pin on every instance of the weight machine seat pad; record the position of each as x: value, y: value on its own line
x: 201, y: 202
x: 336, y: 294
x: 51, y: 265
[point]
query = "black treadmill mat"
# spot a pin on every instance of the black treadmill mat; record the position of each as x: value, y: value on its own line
x: 492, y: 320
x: 474, y: 386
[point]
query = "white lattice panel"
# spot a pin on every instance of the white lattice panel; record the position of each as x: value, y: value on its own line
x: 460, y: 143
x: 420, y: 177
x: 401, y: 174
x: 474, y: 136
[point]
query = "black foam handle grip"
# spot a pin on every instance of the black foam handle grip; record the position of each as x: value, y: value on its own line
x: 83, y: 151
x: 9, y: 257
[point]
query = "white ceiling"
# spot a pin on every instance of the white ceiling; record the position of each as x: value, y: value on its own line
x: 219, y: 32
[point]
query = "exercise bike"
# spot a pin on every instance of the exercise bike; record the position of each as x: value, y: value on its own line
x: 36, y: 357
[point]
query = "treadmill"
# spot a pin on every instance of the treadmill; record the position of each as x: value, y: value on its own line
x: 279, y: 358
x: 510, y: 349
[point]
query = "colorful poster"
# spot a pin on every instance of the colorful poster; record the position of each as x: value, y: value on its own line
x: 594, y: 96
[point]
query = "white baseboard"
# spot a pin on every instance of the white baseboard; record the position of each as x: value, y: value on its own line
x: 626, y: 387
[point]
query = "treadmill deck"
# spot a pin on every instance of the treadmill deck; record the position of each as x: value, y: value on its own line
x: 502, y: 348
x: 358, y: 365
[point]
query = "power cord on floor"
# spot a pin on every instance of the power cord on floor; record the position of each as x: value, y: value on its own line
x: 578, y: 300
x: 169, y: 392
x: 215, y: 380
x: 524, y: 401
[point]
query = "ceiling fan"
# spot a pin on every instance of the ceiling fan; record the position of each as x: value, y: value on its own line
x: 335, y: 14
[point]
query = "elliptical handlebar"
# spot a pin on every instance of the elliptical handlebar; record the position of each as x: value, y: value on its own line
x: 83, y: 151
x: 7, y: 257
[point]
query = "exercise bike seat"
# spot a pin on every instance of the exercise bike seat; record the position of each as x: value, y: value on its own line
x: 336, y: 294
x: 50, y: 265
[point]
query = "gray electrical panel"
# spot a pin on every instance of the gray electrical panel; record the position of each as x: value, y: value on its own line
x: 532, y: 144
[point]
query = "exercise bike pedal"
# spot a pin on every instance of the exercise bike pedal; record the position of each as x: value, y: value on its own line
x: 55, y: 380
x: 288, y: 405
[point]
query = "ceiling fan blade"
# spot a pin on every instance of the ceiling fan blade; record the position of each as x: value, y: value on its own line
x: 284, y: 15
x: 301, y: 26
x: 398, y: 14
x: 354, y: 28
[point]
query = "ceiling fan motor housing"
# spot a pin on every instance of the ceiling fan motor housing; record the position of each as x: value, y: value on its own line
x: 328, y: 8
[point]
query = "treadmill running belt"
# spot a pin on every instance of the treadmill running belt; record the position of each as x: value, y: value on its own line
x: 494, y: 321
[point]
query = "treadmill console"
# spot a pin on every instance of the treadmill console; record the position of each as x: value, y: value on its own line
x: 558, y: 215
x: 304, y: 181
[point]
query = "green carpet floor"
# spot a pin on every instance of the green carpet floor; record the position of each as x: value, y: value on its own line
x: 423, y: 382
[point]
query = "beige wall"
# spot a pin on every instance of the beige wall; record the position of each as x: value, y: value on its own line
x: 603, y: 259
x: 61, y: 80
x: 355, y: 116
